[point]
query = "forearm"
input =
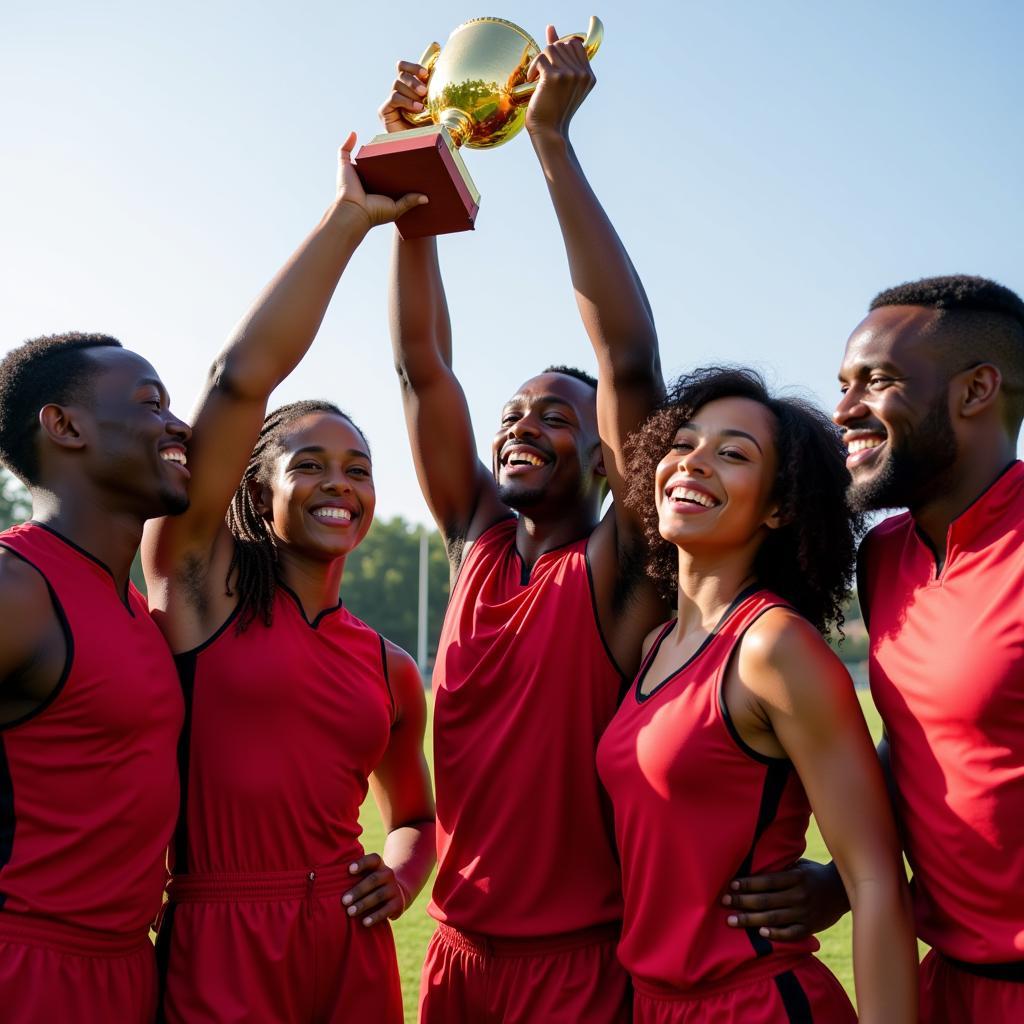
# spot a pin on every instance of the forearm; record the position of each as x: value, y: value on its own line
x: 410, y: 852
x: 280, y: 326
x: 884, y: 951
x: 417, y: 309
x: 612, y: 302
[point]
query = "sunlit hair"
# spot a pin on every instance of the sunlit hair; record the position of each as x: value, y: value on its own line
x: 809, y: 559
x: 575, y: 373
x: 254, y: 562
x: 55, y: 368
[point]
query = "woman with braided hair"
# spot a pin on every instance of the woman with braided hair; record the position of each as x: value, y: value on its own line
x: 293, y: 706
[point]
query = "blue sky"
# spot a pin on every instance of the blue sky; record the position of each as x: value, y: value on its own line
x: 769, y: 167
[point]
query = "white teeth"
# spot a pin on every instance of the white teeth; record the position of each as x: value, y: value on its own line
x: 518, y: 458
x: 173, y: 455
x: 685, y: 494
x: 333, y: 513
x: 862, y: 443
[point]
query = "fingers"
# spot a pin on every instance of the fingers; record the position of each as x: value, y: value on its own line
x: 345, y: 150
x: 552, y: 35
x: 375, y: 898
x: 791, y: 879
x: 760, y: 901
x: 408, y: 202
x: 368, y: 862
x: 410, y: 67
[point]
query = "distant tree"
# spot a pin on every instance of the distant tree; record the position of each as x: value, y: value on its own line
x: 381, y: 583
x: 15, y: 504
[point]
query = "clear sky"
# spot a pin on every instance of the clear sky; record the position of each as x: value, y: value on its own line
x: 770, y: 166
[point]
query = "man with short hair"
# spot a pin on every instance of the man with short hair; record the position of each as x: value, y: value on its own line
x: 90, y: 706
x: 547, y: 614
x: 933, y: 397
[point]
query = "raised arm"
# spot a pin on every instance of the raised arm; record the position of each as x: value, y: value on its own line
x: 264, y: 348
x: 810, y: 702
x: 612, y: 303
x: 458, y: 488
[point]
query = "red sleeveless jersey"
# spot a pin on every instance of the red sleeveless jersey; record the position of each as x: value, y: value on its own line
x: 947, y: 675
x: 284, y: 725
x: 88, y: 787
x: 694, y: 808
x: 523, y: 688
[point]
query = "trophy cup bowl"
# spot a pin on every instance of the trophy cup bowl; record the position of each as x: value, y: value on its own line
x: 477, y: 94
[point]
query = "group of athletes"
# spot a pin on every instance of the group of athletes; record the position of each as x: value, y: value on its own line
x: 635, y: 713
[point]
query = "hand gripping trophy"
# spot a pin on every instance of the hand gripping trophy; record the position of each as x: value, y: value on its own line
x: 477, y: 93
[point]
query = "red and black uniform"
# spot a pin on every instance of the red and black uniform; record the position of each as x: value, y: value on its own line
x: 947, y: 675
x: 527, y: 890
x: 284, y: 726
x: 88, y: 799
x: 695, y: 807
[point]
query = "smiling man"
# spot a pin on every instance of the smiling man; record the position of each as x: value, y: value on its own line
x: 933, y: 397
x: 90, y: 706
x: 548, y: 610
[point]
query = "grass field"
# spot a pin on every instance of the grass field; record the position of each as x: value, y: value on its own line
x: 413, y: 930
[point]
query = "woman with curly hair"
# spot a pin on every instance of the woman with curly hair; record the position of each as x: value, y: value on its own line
x: 741, y: 720
x: 294, y: 707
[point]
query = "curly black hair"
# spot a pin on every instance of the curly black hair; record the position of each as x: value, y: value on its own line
x: 573, y: 371
x: 809, y: 559
x: 53, y: 368
x: 254, y: 562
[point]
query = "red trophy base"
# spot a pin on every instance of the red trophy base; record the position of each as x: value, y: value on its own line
x: 421, y: 160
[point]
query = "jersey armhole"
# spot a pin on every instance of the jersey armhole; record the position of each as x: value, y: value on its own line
x: 624, y: 680
x: 69, y: 646
x: 387, y: 678
x: 723, y: 707
x: 862, y: 583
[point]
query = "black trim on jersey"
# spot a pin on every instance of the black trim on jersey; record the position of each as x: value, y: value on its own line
x: 745, y: 747
x: 794, y: 998
x: 387, y: 677
x: 642, y: 674
x: 298, y: 604
x: 92, y: 558
x: 624, y: 688
x: 775, y: 778
x: 69, y: 645
x: 524, y: 573
x: 7, y: 817
x: 1012, y: 971
x: 186, y: 666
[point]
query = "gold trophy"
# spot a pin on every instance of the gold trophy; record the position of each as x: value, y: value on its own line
x: 477, y: 95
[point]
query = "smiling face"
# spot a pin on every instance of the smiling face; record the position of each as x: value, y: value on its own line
x: 136, y: 445
x: 319, y: 496
x: 714, y: 486
x: 894, y: 412
x: 547, y: 450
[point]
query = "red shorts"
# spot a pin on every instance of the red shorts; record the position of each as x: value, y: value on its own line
x: 55, y: 972
x: 797, y: 992
x: 275, y: 948
x: 560, y: 979
x: 950, y: 995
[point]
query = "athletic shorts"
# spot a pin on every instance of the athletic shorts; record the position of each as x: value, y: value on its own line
x: 274, y: 948
x: 797, y: 992
x: 953, y: 995
x: 55, y: 972
x: 561, y: 979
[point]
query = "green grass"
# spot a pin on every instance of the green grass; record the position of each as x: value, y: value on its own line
x: 414, y: 928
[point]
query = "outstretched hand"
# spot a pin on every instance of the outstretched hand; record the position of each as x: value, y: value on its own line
x: 566, y: 77
x: 376, y: 209
x: 378, y: 896
x: 408, y: 91
x: 788, y: 905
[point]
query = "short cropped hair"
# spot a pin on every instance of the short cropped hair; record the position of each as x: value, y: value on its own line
x: 572, y: 371
x: 980, y: 321
x: 50, y: 369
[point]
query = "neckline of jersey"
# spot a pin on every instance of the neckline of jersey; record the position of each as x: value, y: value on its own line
x: 734, y: 607
x: 124, y: 599
x: 525, y: 574
x: 320, y: 616
x: 964, y: 526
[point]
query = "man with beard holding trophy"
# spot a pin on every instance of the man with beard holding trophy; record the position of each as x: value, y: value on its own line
x: 547, y: 614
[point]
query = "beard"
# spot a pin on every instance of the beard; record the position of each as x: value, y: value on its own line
x: 172, y: 503
x: 520, y: 498
x: 915, y: 470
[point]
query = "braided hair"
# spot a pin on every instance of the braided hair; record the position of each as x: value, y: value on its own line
x: 254, y: 561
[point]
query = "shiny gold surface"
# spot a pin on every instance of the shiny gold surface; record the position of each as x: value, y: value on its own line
x: 477, y: 87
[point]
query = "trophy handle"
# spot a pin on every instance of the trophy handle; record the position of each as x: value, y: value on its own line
x: 428, y: 60
x: 591, y: 43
